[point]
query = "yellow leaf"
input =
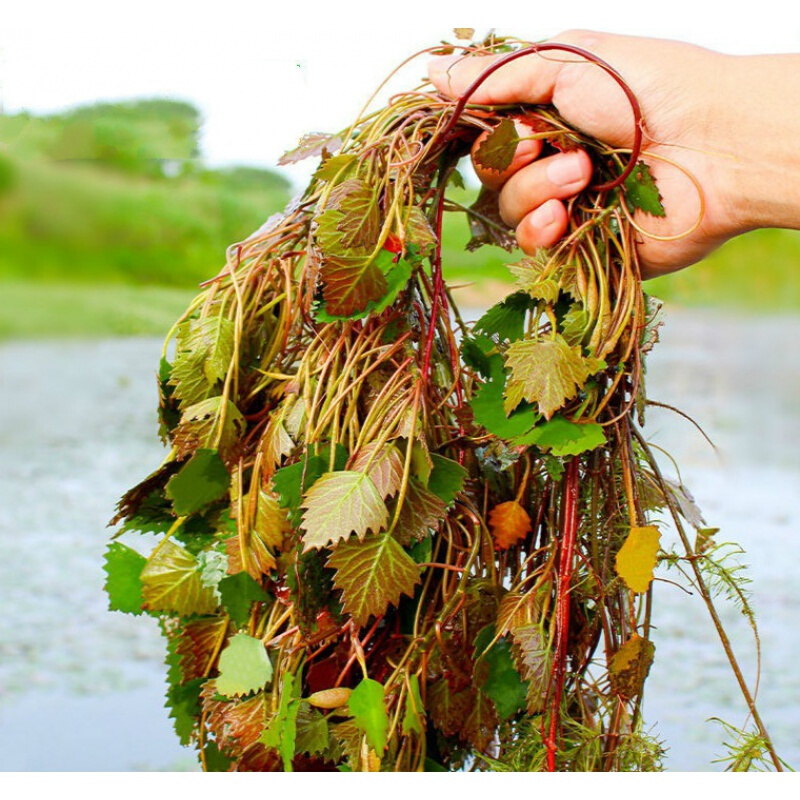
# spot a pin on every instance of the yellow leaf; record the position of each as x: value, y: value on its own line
x: 636, y: 559
x: 630, y: 665
x: 509, y: 523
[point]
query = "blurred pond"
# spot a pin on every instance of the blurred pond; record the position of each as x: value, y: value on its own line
x: 82, y: 688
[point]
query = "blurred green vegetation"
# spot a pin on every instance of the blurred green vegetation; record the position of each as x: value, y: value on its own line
x: 109, y: 220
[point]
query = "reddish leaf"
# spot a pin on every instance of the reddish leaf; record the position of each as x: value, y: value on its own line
x: 509, y: 524
x: 198, y: 645
x: 312, y: 144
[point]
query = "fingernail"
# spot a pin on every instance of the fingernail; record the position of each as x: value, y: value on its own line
x: 543, y: 216
x: 566, y: 170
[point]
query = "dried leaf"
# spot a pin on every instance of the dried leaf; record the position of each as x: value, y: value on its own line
x: 341, y: 503
x: 372, y: 575
x: 630, y: 665
x: 509, y: 524
x: 548, y: 372
x: 171, y: 582
x: 464, y: 33
x: 637, y: 558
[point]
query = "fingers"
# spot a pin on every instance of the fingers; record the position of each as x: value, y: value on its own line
x: 529, y: 79
x: 555, y: 177
x: 527, y: 151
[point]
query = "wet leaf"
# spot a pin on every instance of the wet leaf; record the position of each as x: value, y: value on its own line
x: 123, y: 567
x: 372, y: 575
x: 548, y: 372
x: 201, y: 480
x: 509, y: 524
x: 369, y: 713
x: 561, y: 437
x: 341, y: 503
x: 637, y: 558
x: 171, y: 582
x: 496, y: 151
x: 244, y: 666
x: 641, y: 191
x: 629, y: 667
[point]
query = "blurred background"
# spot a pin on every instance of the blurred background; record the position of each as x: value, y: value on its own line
x: 133, y: 151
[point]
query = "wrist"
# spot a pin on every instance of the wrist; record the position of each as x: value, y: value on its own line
x: 759, y: 135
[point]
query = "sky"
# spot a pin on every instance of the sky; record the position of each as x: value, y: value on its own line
x: 264, y: 73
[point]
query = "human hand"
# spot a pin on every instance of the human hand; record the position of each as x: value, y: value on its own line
x: 696, y: 115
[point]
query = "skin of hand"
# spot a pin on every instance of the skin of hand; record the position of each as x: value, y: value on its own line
x: 732, y: 122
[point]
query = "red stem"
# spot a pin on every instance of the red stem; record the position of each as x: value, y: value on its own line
x: 565, y: 567
x: 579, y: 51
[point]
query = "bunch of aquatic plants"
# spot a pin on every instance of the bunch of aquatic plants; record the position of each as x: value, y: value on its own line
x: 389, y: 539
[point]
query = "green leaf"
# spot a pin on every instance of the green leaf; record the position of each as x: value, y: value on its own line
x: 528, y: 273
x: 214, y: 759
x: 312, y: 731
x: 171, y: 582
x: 547, y: 372
x: 496, y: 151
x: 238, y: 593
x: 574, y: 325
x: 201, y: 480
x: 281, y: 733
x: 475, y: 352
x: 123, y: 567
x: 341, y: 503
x: 203, y: 354
x: 336, y: 167
x: 182, y: 699
x: 507, y: 318
x: 369, y: 713
x: 641, y: 191
x: 372, y: 575
x: 310, y: 145
x: 414, y: 709
x: 244, y: 666
x: 447, y: 478
x: 487, y: 406
x: 498, y: 677
x: 561, y: 437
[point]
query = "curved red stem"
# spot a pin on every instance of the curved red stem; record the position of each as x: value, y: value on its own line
x: 579, y: 51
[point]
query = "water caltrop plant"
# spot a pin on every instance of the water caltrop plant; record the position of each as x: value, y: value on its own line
x: 389, y: 540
